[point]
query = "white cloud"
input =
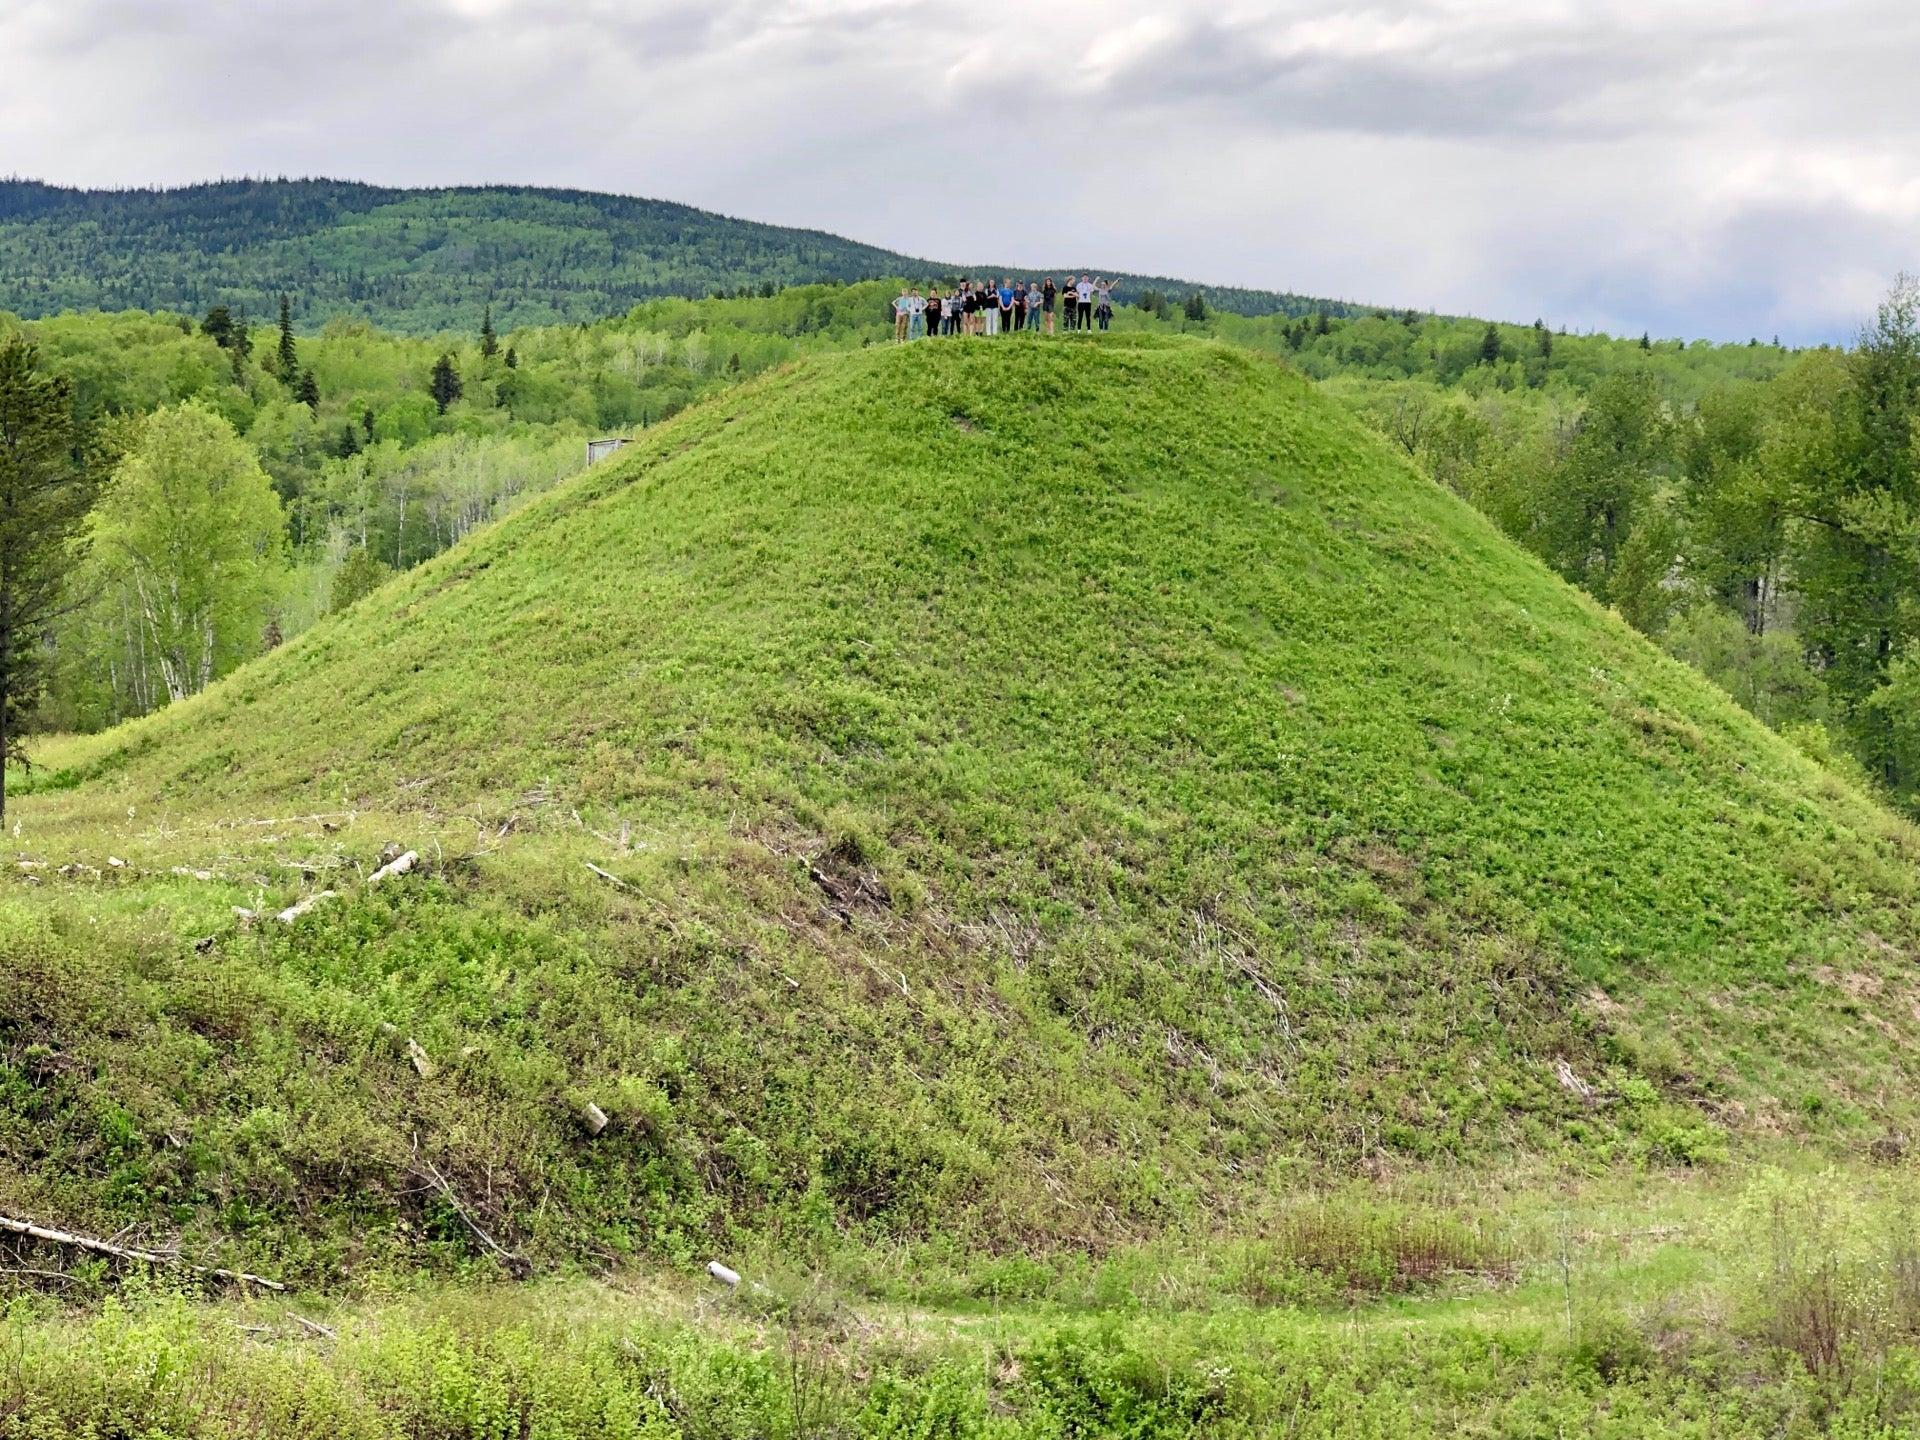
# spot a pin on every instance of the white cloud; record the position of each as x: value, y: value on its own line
x: 1718, y: 167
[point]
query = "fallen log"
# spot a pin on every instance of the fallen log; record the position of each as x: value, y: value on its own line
x: 294, y: 912
x: 124, y: 1252
x: 400, y: 865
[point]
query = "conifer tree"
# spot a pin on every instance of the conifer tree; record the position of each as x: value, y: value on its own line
x: 489, y: 342
x: 287, y: 360
x: 307, y: 392
x: 218, y: 326
x: 445, y: 385
x: 1490, y: 346
x: 45, y: 494
x: 242, y: 333
x: 513, y: 358
x: 366, y: 423
x: 1646, y: 340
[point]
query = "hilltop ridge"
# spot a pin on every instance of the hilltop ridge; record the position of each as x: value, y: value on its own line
x: 432, y: 259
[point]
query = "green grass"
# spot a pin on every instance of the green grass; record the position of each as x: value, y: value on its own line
x: 1692, y: 1328
x: 1060, y: 797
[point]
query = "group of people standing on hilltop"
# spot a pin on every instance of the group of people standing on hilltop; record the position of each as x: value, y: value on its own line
x: 979, y: 307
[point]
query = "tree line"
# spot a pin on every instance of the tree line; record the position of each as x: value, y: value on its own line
x: 422, y: 261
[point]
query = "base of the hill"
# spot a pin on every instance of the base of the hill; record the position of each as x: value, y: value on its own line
x: 1779, y: 1305
x: 1656, y: 1343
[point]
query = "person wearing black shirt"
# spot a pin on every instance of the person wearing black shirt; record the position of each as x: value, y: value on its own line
x: 1048, y: 294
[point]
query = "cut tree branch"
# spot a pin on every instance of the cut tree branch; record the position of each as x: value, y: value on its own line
x: 124, y: 1252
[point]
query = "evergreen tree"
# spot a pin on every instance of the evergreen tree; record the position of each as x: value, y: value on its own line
x: 1490, y: 346
x: 489, y: 342
x: 513, y: 358
x: 307, y: 392
x: 45, y: 494
x: 1321, y: 324
x: 1646, y: 340
x: 1196, y: 308
x: 445, y: 386
x: 241, y: 348
x: 349, y: 443
x: 360, y: 574
x: 287, y: 359
x: 218, y: 326
x: 366, y: 423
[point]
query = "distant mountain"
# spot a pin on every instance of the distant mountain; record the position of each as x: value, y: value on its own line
x: 428, y: 260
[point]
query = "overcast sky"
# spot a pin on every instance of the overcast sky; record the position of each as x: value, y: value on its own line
x: 1701, y: 168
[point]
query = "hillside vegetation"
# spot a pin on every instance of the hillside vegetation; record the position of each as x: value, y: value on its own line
x: 421, y: 261
x: 1042, y: 795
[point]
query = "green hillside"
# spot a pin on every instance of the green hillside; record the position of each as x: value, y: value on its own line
x: 1042, y: 795
x: 422, y: 261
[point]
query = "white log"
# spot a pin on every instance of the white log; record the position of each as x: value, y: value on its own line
x: 421, y: 1062
x: 595, y: 1118
x: 398, y: 866
x: 728, y: 1278
x: 294, y: 912
x: 107, y: 1247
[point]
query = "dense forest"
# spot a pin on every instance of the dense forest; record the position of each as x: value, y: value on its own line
x: 422, y: 261
x: 1751, y: 508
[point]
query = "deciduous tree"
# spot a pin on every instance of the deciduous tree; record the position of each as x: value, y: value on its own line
x: 191, y: 526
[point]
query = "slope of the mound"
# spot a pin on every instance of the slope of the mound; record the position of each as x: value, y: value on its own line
x: 1062, y: 784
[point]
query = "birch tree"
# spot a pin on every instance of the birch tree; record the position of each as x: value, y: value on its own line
x: 191, y: 527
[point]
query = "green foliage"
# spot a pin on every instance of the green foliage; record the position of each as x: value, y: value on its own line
x: 583, y: 1363
x: 45, y: 493
x: 445, y: 386
x: 286, y: 356
x: 1019, y: 843
x: 429, y: 262
x: 361, y: 573
x: 193, y: 539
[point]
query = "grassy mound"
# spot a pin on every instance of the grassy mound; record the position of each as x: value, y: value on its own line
x: 1039, y: 794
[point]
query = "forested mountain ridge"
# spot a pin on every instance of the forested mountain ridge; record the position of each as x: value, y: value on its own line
x: 422, y: 261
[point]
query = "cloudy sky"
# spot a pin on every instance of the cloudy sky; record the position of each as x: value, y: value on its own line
x: 1702, y: 168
